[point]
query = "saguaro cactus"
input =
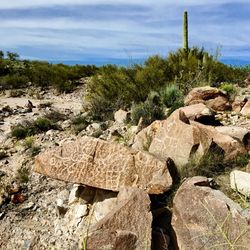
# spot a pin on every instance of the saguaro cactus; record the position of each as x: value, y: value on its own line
x: 185, y: 31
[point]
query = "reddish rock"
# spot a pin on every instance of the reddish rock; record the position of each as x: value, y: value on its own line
x: 144, y: 138
x: 202, y: 94
x: 179, y: 139
x: 204, y: 218
x: 219, y: 103
x: 111, y: 166
x: 128, y: 226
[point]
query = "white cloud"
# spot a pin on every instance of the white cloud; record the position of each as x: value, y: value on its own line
x: 20, y: 4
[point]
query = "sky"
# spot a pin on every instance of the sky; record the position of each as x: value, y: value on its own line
x: 122, y: 31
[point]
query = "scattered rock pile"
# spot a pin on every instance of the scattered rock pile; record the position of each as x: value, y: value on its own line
x: 97, y: 193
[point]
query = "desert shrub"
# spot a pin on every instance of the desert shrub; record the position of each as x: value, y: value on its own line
x: 20, y: 132
x: 16, y: 81
x: 30, y: 147
x: 29, y: 128
x: 150, y: 110
x: 229, y: 88
x: 28, y: 142
x: 45, y: 105
x: 23, y: 174
x: 79, y: 123
x: 55, y: 116
x: 44, y: 124
x: 16, y: 92
x: 172, y: 97
x: 208, y: 165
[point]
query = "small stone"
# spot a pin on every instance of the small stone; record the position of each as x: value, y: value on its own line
x: 27, y: 206
x: 240, y: 181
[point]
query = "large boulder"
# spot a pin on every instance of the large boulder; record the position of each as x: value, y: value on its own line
x: 97, y: 163
x: 204, y: 218
x: 219, y: 103
x: 196, y: 111
x: 213, y: 97
x: 127, y: 226
x: 238, y: 133
x: 180, y: 138
x: 231, y: 147
x: 201, y: 113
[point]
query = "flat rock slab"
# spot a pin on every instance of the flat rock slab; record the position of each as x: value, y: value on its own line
x: 240, y: 181
x: 105, y: 165
x: 204, y: 218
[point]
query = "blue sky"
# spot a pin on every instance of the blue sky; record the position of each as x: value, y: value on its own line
x: 98, y: 31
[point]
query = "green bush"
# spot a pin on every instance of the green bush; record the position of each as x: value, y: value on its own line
x: 152, y: 109
x: 44, y: 124
x: 29, y: 128
x: 23, y: 174
x: 229, y: 88
x: 172, y: 97
x: 55, y: 116
x: 20, y: 132
x: 79, y: 123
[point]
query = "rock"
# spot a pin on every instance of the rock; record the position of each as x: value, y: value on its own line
x: 200, y: 113
x: 202, y: 94
x: 104, y: 165
x: 175, y: 139
x: 121, y: 116
x: 75, y: 193
x: 219, y: 103
x: 237, y: 105
x: 180, y: 139
x: 144, y: 138
x: 128, y: 226
x: 238, y: 133
x: 246, y: 109
x: 231, y: 147
x: 18, y: 198
x: 205, y: 218
x: 240, y: 181
x: 196, y: 111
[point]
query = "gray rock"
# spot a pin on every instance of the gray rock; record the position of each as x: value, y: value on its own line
x: 240, y: 181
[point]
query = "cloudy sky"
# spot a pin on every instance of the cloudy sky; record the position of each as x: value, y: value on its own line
x: 108, y: 31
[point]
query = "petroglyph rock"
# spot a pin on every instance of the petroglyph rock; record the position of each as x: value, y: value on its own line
x: 180, y: 138
x: 204, y: 218
x: 128, y: 226
x: 97, y: 163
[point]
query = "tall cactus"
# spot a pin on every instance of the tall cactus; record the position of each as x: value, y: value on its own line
x: 185, y: 31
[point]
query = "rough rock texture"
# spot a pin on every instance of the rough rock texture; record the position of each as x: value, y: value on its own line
x: 231, y: 147
x: 246, y: 109
x: 180, y: 138
x: 197, y: 111
x: 177, y: 139
x: 238, y: 133
x: 204, y: 218
x: 240, y: 181
x: 121, y: 116
x: 219, y: 103
x: 202, y: 94
x: 144, y: 138
x: 104, y: 165
x: 128, y: 226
